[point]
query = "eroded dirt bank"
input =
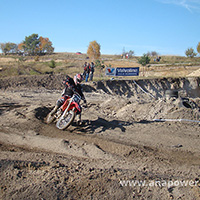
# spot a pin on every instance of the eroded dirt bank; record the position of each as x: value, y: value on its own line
x: 191, y: 86
x: 119, y: 141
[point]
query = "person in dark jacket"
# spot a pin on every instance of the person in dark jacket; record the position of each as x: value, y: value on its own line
x: 87, y: 72
x: 91, y: 71
x: 84, y: 70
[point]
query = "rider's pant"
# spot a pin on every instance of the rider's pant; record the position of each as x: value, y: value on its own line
x: 60, y: 101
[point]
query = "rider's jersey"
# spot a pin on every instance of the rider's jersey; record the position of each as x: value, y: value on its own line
x: 71, y: 88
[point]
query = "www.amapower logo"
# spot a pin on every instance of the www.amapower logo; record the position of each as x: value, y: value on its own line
x: 159, y: 183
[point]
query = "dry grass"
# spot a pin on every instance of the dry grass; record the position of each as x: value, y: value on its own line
x: 70, y: 63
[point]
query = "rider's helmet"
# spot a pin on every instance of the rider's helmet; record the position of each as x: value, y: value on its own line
x: 78, y: 78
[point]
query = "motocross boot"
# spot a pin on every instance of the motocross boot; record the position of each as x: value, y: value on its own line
x: 79, y: 121
x: 54, y: 110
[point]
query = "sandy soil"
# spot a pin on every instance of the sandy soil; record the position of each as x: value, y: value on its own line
x: 195, y: 73
x: 118, y: 142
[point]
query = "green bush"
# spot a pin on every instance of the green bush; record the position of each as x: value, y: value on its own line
x: 190, y: 53
x: 52, y: 64
x: 99, y: 64
x: 144, y: 60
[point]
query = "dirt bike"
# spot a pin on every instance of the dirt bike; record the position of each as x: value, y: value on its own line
x: 66, y: 113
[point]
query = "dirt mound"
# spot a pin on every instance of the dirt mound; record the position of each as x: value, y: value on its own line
x: 41, y: 81
x: 157, y: 87
x: 194, y: 74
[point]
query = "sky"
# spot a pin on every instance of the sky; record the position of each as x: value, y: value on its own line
x: 168, y: 27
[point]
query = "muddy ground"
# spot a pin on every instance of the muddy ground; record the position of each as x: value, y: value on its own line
x: 119, y: 141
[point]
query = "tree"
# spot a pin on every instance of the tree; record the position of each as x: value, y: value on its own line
x: 198, y: 48
x: 127, y: 54
x: 144, y: 60
x: 9, y: 47
x: 21, y: 47
x: 131, y: 53
x: 31, y: 44
x: 154, y: 53
x: 94, y: 50
x: 190, y: 53
x: 99, y: 64
x: 52, y: 64
x: 45, y: 45
x: 35, y: 45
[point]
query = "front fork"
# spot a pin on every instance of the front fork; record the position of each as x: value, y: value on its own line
x: 66, y: 110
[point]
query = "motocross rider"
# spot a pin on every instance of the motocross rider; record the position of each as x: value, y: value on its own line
x: 71, y: 86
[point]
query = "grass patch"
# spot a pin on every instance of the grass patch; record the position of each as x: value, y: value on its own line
x: 70, y: 63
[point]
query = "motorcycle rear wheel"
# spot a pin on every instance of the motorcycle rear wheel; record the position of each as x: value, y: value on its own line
x: 66, y: 121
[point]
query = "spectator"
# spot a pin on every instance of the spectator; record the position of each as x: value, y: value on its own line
x: 87, y: 72
x: 85, y: 68
x: 158, y: 59
x: 92, y: 71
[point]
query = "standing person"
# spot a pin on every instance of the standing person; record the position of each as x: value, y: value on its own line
x: 87, y: 72
x: 84, y: 72
x: 92, y: 71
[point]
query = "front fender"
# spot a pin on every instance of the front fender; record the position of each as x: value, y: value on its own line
x: 77, y: 107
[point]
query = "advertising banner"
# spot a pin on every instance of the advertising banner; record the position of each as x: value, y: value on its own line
x: 128, y: 71
x: 110, y: 71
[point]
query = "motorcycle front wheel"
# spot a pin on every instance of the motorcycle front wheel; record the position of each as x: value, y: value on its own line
x: 50, y: 118
x: 65, y: 121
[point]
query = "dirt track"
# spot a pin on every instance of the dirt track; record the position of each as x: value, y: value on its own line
x: 119, y: 141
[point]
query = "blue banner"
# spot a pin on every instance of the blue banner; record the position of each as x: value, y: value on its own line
x: 130, y: 71
x: 120, y: 71
x: 110, y: 71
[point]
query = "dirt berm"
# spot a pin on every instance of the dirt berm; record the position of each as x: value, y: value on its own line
x: 191, y: 86
x: 139, y: 140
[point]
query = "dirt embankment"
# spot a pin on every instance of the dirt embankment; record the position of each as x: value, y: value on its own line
x: 118, y: 141
x: 189, y: 86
